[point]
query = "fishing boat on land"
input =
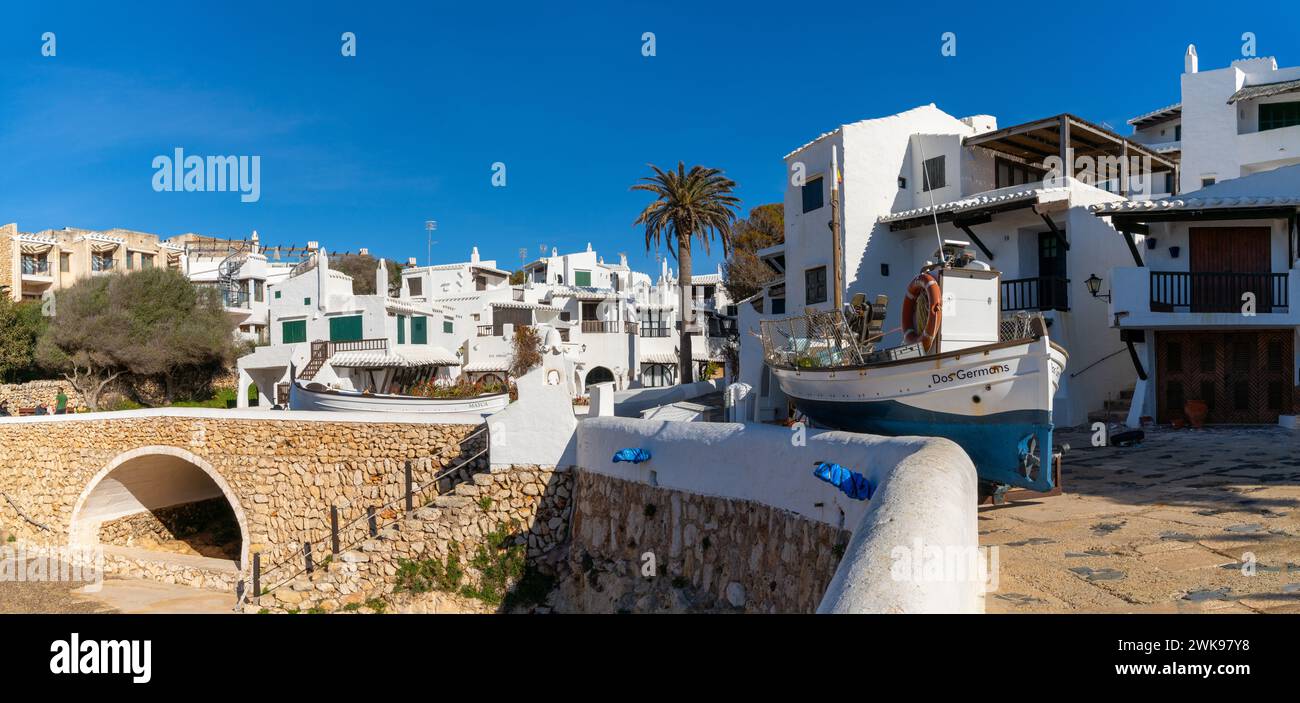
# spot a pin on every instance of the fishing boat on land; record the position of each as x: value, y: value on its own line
x: 310, y: 395
x: 963, y: 372
x: 317, y: 396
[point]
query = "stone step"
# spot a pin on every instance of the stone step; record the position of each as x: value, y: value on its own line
x: 1108, y: 416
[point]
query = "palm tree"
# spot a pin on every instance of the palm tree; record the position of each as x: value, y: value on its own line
x: 689, y: 204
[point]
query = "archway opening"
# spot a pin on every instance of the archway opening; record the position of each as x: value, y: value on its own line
x: 163, y: 501
x: 600, y: 374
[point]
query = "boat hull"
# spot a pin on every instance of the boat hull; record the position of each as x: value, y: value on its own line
x: 995, y: 402
x: 301, y: 398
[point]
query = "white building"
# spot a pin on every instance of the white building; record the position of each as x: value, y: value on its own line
x: 615, y: 324
x: 1208, y: 308
x: 1230, y: 122
x: 241, y: 271
x: 922, y: 180
x: 354, y: 342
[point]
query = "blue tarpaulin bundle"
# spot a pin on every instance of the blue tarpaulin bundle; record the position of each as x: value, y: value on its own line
x: 853, y: 484
x: 636, y: 456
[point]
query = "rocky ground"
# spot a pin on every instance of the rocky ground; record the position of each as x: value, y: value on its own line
x: 1189, y: 521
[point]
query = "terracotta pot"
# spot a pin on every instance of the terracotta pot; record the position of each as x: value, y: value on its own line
x: 1178, y: 423
x: 1196, y: 411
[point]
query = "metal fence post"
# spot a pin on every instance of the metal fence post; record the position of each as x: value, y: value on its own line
x: 370, y: 518
x: 306, y: 554
x: 410, y: 498
x: 334, y: 529
x: 257, y: 575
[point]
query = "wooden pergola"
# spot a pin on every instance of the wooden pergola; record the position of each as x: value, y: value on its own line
x: 1069, y: 137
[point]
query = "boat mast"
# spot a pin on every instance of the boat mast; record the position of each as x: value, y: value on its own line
x: 837, y: 253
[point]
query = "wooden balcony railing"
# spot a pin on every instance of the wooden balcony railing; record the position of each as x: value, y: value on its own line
x: 1217, y: 292
x: 601, y: 327
x: 1038, y: 293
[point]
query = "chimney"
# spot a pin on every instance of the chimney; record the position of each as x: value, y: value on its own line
x: 1189, y: 59
x: 381, y: 278
x: 313, y: 246
x: 588, y: 246
x: 363, y: 252
x: 473, y: 256
x: 622, y: 259
x: 322, y: 278
x: 410, y: 261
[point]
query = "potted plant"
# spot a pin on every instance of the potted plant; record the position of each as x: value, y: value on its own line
x: 1196, y: 410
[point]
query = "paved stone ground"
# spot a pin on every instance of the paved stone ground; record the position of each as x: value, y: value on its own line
x: 114, y: 596
x: 1161, y: 527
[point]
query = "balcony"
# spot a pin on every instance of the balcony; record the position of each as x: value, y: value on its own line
x: 35, y: 267
x: 1039, y: 293
x: 235, y: 299
x: 1141, y: 297
x: 1217, y: 292
x: 601, y: 326
x: 655, y: 331
x: 484, y: 330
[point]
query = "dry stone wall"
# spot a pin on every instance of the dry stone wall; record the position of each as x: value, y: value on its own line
x: 709, y: 554
x: 533, y: 503
x: 28, y: 395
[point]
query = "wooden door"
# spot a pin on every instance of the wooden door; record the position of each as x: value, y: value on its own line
x: 1227, y: 262
x: 1245, y: 377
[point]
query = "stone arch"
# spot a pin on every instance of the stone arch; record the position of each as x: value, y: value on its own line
x: 131, y: 493
x: 599, y: 374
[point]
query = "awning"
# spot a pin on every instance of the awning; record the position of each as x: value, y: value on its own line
x: 1168, y: 112
x: 660, y: 358
x: 974, y: 206
x: 1034, y: 142
x: 432, y: 356
x: 428, y: 356
x: 1264, y: 90
x: 367, y: 359
x: 489, y: 365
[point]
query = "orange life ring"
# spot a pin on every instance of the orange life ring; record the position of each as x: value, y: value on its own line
x: 921, y: 322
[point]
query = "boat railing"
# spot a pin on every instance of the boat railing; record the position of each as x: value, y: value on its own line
x: 1021, y: 324
x: 813, y: 340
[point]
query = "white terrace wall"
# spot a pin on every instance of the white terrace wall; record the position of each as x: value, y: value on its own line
x: 739, y: 521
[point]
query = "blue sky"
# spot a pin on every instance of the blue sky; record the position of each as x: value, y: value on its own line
x: 361, y: 151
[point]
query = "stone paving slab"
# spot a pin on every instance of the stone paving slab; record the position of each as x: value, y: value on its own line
x: 1164, y: 526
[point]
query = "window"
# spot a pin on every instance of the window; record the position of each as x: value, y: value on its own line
x: 582, y: 278
x: 1178, y: 133
x: 1010, y: 173
x: 101, y: 261
x: 812, y: 194
x: 293, y: 331
x: 401, y: 329
x: 130, y: 260
x: 658, y: 375
x: 815, y: 285
x: 414, y: 285
x: 277, y: 295
x: 448, y: 327
x: 419, y: 329
x: 778, y: 306
x: 902, y: 183
x: 65, y: 262
x: 306, y: 301
x: 934, y: 173
x: 146, y: 261
x: 1207, y: 181
x: 259, y: 291
x: 1278, y: 115
x: 345, y: 329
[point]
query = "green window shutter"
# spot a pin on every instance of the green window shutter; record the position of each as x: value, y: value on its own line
x: 306, y: 301
x: 448, y: 327
x: 582, y: 278
x: 293, y: 331
x: 401, y: 329
x: 419, y: 330
x: 277, y: 295
x: 345, y: 329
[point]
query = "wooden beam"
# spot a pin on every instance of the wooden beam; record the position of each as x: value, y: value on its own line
x: 1137, y: 362
x: 975, y: 238
x: 1132, y: 246
x: 1060, y: 236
